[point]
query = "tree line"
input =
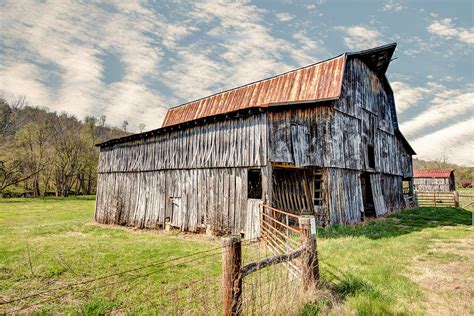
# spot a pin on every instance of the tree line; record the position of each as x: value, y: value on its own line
x: 49, y: 153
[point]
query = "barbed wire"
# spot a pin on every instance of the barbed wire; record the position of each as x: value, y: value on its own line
x: 109, y: 275
x: 256, y: 292
x: 108, y: 284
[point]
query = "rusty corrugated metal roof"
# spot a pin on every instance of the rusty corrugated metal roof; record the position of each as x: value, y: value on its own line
x: 432, y: 173
x: 321, y: 81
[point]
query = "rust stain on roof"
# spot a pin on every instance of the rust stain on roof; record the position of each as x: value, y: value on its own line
x: 432, y: 173
x: 317, y: 82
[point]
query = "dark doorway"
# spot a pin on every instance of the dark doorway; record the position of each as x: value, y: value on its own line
x: 371, y: 156
x: 369, y: 210
x: 254, y: 177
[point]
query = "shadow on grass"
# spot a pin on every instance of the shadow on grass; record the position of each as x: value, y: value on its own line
x: 404, y: 222
x: 343, y: 286
x: 20, y: 200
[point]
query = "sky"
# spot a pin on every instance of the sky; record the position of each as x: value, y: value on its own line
x: 132, y: 60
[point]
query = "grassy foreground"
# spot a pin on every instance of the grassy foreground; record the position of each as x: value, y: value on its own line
x: 51, y: 242
x: 414, y: 262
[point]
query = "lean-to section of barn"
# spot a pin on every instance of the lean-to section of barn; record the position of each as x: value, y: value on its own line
x: 191, y: 177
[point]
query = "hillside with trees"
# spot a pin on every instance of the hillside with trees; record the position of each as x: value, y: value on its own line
x: 48, y: 153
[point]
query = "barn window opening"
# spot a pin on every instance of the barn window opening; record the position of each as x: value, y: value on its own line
x: 254, y: 184
x: 406, y: 186
x: 371, y: 156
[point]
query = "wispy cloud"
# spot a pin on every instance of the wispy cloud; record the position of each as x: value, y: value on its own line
x: 407, y: 96
x: 72, y: 37
x: 455, y: 142
x: 393, y: 6
x: 360, y: 36
x: 446, y: 28
x: 284, y: 16
x: 446, y: 105
x: 246, y: 51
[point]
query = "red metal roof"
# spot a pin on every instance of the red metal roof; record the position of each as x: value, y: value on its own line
x: 316, y: 82
x: 432, y: 173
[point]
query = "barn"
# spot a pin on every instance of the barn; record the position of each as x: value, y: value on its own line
x: 322, y: 140
x: 434, y: 180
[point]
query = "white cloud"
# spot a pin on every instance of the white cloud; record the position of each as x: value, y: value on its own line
x: 360, y: 37
x: 70, y: 43
x: 22, y: 79
x: 447, y: 105
x: 284, y: 16
x: 445, y: 125
x: 245, y: 51
x: 73, y: 38
x: 406, y: 95
x: 393, y: 6
x: 455, y: 142
x: 445, y: 28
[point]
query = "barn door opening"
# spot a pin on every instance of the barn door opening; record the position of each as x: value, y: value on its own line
x: 254, y: 200
x: 369, y: 209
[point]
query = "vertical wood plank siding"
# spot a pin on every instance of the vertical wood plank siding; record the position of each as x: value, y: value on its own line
x: 239, y: 142
x: 433, y: 184
x: 392, y: 195
x: 365, y: 97
x: 337, y: 134
x: 345, y: 196
x: 189, y: 199
x: 193, y: 177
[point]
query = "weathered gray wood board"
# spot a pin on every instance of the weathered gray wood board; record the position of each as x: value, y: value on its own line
x: 321, y: 136
x: 379, y: 201
x: 252, y: 223
x: 240, y: 142
x: 345, y: 196
x: 189, y: 199
x: 393, y: 196
x: 433, y: 184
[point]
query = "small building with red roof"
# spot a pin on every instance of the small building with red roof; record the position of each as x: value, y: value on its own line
x: 434, y: 180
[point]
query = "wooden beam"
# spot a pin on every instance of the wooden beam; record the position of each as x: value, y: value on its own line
x: 255, y: 266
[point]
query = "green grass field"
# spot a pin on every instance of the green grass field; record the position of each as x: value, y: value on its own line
x: 414, y: 262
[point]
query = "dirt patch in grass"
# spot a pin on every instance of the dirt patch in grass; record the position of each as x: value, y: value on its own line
x: 446, y: 275
x: 162, y: 232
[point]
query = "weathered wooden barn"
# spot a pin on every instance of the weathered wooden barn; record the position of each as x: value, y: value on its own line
x: 322, y: 139
x: 434, y: 180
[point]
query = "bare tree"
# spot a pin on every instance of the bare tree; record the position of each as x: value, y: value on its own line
x: 124, y: 125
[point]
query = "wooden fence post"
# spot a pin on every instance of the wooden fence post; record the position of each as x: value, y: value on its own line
x: 310, y: 256
x: 232, y: 280
x: 456, y: 198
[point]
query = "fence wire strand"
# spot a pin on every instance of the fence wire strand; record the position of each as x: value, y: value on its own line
x: 270, y: 290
